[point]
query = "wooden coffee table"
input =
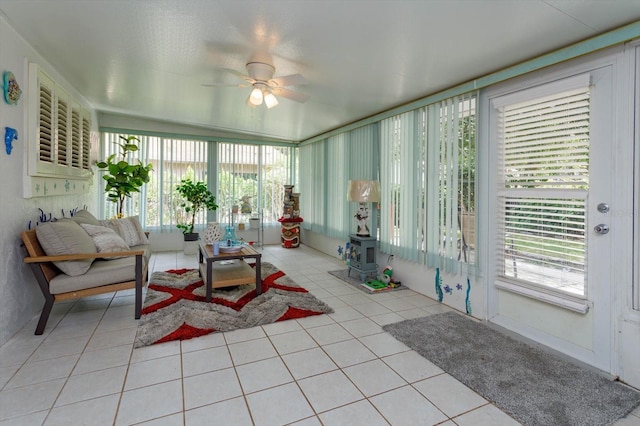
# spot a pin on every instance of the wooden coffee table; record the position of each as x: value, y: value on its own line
x: 217, y: 273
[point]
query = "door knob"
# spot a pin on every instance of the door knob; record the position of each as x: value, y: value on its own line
x: 601, y: 229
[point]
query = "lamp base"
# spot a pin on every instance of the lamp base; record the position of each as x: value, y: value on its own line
x: 363, y: 231
x: 361, y: 219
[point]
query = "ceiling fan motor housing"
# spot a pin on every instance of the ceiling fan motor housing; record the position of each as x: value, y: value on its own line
x: 260, y: 71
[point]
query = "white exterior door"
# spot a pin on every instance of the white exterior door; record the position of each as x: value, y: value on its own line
x: 551, y: 196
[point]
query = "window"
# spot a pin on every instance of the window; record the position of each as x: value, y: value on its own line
x: 451, y: 182
x: 234, y: 172
x: 543, y: 185
x: 328, y: 166
x: 427, y: 170
x: 251, y: 181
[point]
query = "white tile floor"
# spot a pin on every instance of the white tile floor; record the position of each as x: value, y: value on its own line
x: 337, y: 369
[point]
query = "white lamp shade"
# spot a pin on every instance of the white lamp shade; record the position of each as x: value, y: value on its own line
x: 256, y: 96
x: 363, y: 191
x: 270, y: 100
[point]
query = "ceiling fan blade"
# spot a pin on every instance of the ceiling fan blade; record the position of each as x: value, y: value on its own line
x: 290, y: 94
x: 222, y: 70
x: 225, y: 85
x: 289, y: 80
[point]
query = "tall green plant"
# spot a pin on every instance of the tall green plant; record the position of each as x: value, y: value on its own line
x: 196, y: 197
x: 123, y: 178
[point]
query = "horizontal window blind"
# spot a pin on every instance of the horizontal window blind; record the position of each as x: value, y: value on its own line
x: 547, y: 142
x: 544, y: 179
x: 45, y: 125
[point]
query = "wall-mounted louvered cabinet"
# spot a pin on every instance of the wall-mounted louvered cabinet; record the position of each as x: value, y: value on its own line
x: 59, y: 138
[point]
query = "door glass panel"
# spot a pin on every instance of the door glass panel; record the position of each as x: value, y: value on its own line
x: 543, y: 186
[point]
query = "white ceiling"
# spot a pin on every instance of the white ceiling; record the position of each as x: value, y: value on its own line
x: 149, y: 58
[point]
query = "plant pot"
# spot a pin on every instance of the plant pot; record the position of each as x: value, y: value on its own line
x: 193, y: 236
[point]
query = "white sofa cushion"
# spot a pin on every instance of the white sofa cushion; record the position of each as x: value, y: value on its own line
x: 66, y: 237
x: 84, y: 216
x: 105, y: 239
x: 102, y: 272
x: 129, y: 229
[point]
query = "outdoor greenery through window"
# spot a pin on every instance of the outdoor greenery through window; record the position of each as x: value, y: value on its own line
x: 248, y: 180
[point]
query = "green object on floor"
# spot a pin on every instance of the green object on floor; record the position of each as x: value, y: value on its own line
x: 377, y: 284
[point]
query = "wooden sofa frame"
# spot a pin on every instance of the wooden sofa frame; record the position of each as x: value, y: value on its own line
x: 44, y: 270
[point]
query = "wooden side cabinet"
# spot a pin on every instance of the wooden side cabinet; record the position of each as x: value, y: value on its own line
x: 362, y: 256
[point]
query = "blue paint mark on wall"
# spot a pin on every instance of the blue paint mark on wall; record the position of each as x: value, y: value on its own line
x: 468, y: 300
x: 439, y: 286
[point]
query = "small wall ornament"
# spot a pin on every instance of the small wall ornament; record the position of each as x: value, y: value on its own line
x: 12, y: 90
x: 10, y: 134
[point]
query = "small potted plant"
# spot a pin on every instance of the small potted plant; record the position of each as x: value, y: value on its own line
x: 123, y: 178
x: 196, y: 197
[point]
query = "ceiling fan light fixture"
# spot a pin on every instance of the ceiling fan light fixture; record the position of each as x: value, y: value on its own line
x: 256, y: 96
x: 270, y: 100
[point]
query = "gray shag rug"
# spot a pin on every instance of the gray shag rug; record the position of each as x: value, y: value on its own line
x: 354, y: 280
x: 532, y: 385
x: 175, y: 307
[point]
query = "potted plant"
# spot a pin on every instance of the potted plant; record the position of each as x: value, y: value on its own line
x: 123, y: 178
x: 195, y: 198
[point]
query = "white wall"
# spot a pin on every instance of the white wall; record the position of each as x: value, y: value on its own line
x: 20, y: 296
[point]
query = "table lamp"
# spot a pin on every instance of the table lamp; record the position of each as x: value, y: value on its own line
x: 363, y: 192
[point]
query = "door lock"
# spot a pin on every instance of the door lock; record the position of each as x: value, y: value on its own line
x: 601, y: 229
x: 603, y: 208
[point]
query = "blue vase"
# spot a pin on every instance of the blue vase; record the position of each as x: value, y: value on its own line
x: 230, y: 236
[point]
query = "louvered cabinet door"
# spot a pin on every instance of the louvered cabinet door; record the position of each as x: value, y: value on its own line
x: 59, y: 144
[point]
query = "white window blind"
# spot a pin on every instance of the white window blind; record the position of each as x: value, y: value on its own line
x: 400, y: 138
x: 55, y: 129
x: 237, y: 179
x: 543, y: 184
x: 278, y: 166
x: 451, y: 166
x: 45, y: 123
x: 328, y: 166
x: 336, y: 204
x: 312, y: 185
x: 62, y: 134
x: 86, y: 142
x: 76, y: 138
x: 231, y: 171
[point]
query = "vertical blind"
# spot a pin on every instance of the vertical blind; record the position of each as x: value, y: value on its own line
x: 326, y: 168
x: 399, y: 148
x: 233, y: 172
x: 312, y: 186
x: 427, y: 172
x: 336, y: 203
x: 451, y: 153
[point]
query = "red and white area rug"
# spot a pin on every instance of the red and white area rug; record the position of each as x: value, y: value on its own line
x: 175, y: 307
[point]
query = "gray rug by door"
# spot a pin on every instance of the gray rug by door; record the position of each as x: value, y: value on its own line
x: 532, y: 385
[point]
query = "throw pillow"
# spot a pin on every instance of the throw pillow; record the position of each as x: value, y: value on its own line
x: 66, y: 237
x: 105, y: 239
x: 129, y: 229
x: 83, y: 216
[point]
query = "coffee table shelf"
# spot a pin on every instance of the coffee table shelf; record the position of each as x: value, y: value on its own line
x: 229, y: 269
x: 229, y: 274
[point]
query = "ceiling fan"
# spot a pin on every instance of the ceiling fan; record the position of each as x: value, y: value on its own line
x: 265, y: 87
